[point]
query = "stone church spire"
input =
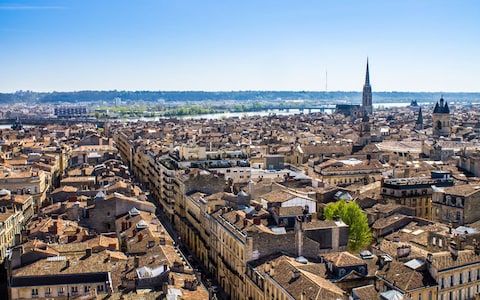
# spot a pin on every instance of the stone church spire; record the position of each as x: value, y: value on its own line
x: 367, y: 94
x: 419, y: 123
x: 367, y: 76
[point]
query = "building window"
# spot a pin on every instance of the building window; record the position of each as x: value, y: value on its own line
x: 47, y: 292
x: 34, y: 293
x: 100, y: 288
x: 86, y: 288
x: 60, y: 291
x: 74, y: 290
x: 434, y: 240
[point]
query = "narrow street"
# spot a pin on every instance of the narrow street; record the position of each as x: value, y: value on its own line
x: 188, y: 255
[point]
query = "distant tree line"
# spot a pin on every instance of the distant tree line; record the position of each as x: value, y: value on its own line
x: 167, y: 96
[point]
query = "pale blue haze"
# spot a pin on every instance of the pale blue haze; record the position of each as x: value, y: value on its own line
x: 412, y: 45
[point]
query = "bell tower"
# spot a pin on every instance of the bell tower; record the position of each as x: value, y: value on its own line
x: 441, y: 119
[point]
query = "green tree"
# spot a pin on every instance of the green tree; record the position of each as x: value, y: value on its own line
x: 359, y: 233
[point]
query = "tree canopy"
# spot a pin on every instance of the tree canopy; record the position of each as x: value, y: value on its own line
x: 359, y: 233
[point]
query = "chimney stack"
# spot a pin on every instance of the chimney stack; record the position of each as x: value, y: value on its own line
x: 295, y: 274
x: 136, y: 262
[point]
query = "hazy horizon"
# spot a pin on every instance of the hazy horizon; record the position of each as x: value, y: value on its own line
x: 241, y: 91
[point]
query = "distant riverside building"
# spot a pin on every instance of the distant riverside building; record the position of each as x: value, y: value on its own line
x: 441, y: 119
x: 367, y: 94
x: 347, y: 109
x: 70, y: 111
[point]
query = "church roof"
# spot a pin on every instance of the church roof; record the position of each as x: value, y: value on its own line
x: 420, y: 117
x: 441, y: 107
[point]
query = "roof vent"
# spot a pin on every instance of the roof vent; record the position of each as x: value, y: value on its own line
x: 301, y: 260
x: 134, y: 212
x: 142, y: 224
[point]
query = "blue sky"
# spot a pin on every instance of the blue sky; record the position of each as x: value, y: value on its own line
x: 412, y: 45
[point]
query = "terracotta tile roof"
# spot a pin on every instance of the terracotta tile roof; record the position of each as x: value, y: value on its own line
x: 307, y: 285
x: 364, y: 166
x: 289, y: 211
x: 280, y: 196
x: 444, y: 260
x: 367, y: 292
x: 405, y: 278
x: 102, y: 241
x: 385, y: 222
x: 462, y: 190
x: 65, y: 188
x: 78, y: 264
x: 343, y: 259
x: 390, y: 248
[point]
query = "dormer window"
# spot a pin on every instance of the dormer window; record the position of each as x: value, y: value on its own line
x: 362, y: 270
